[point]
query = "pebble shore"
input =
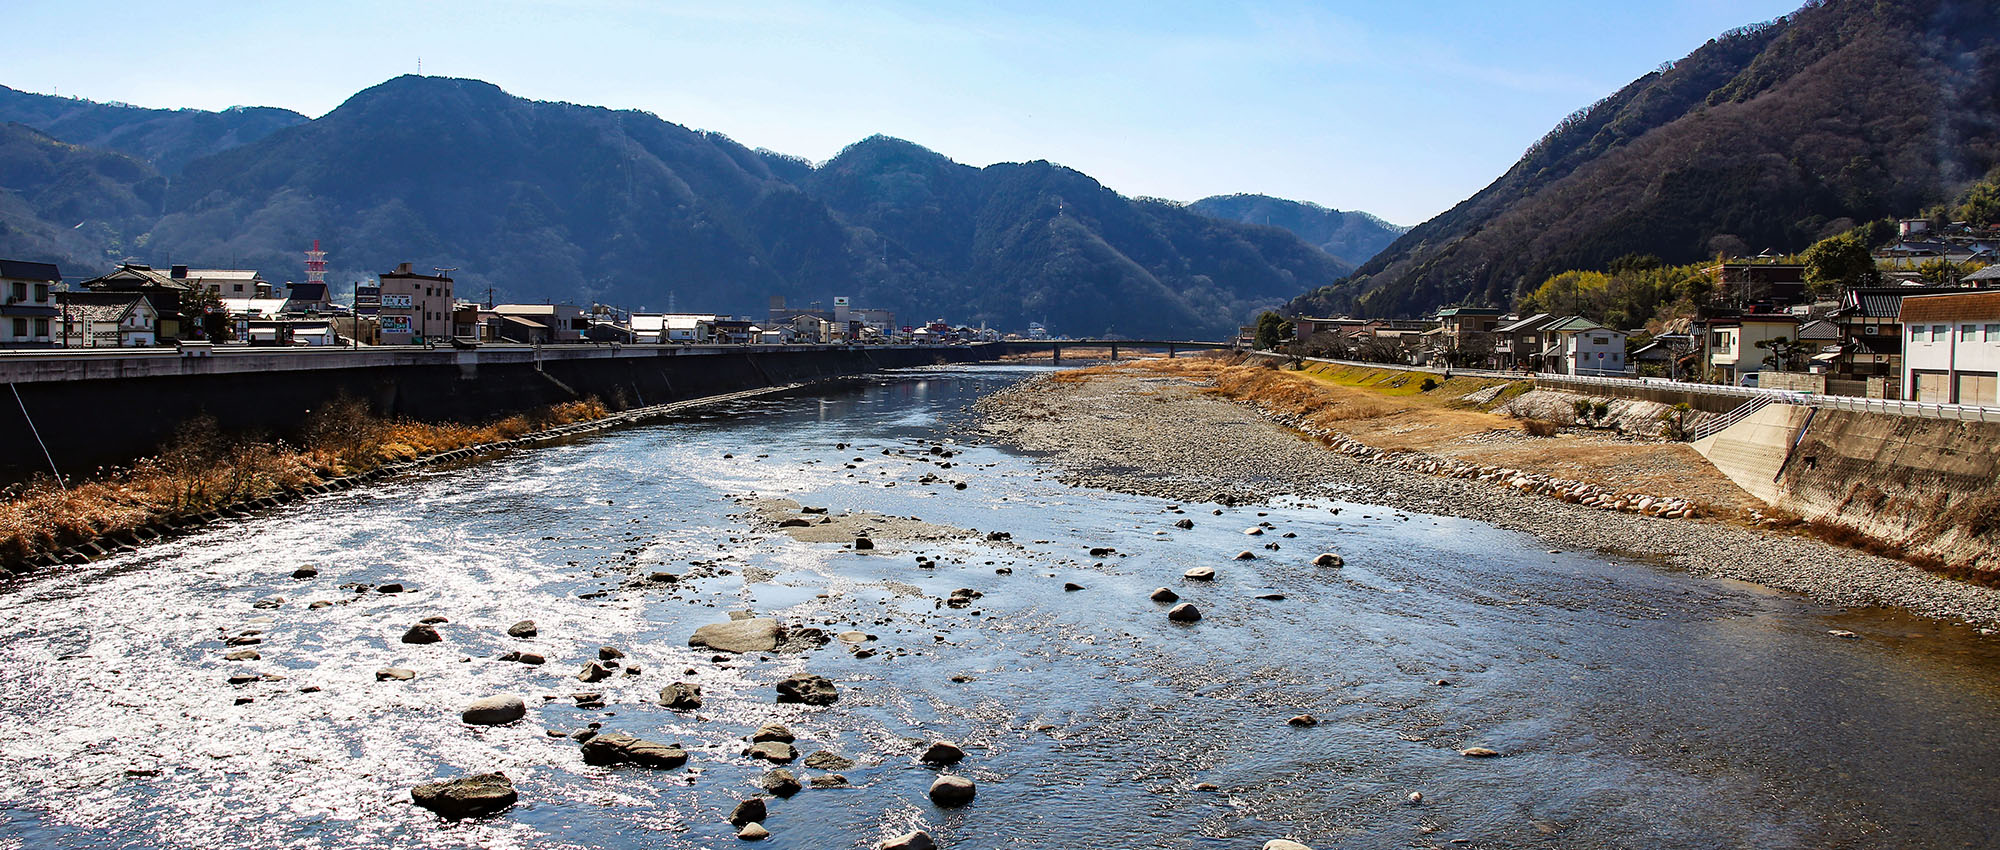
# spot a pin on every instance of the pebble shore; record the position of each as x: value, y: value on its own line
x: 1161, y: 436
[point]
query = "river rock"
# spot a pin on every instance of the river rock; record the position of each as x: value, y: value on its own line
x: 594, y: 672
x: 1246, y: 555
x: 523, y: 629
x: 772, y: 732
x: 780, y: 781
x: 755, y: 634
x: 1478, y: 753
x: 1199, y: 574
x: 828, y: 780
x: 952, y: 791
x: 305, y: 572
x: 919, y: 840
x: 243, y: 655
x: 753, y: 832
x: 1071, y: 587
x: 943, y: 752
x: 681, y: 696
x: 863, y: 544
x: 1284, y: 844
x: 611, y: 748
x: 394, y: 673
x: 1329, y: 560
x: 609, y: 653
x: 1184, y: 524
x: 1165, y: 595
x: 1184, y: 613
x: 494, y: 711
x: 1304, y: 720
x: 823, y: 760
x: 773, y: 751
x: 809, y: 689
x: 422, y: 633
x: 749, y: 811
x: 1254, y: 531
x: 469, y: 796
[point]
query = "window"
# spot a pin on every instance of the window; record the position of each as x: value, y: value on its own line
x: 41, y: 327
x: 1940, y: 333
x: 1993, y: 333
x: 1967, y: 333
x: 1916, y: 333
x: 20, y: 325
x: 41, y: 292
x: 20, y: 291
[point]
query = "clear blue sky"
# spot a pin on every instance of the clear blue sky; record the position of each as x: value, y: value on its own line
x: 1398, y: 108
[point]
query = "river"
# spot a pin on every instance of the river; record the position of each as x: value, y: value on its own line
x: 1630, y: 705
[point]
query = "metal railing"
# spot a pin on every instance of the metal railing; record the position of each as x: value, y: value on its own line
x: 1854, y: 404
x: 1716, y: 425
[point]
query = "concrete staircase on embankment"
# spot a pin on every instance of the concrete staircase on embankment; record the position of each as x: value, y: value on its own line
x: 1751, y: 448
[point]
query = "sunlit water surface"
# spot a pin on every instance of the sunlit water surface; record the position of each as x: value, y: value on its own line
x: 1630, y: 706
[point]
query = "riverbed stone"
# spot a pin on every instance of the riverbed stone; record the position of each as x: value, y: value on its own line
x: 952, y: 791
x: 753, y: 634
x: 1199, y: 574
x: 243, y: 655
x: 749, y: 811
x: 1184, y: 524
x: 612, y: 748
x: 772, y: 751
x: 494, y: 711
x: 305, y: 573
x: 919, y: 840
x: 1246, y: 555
x: 422, y: 633
x: 824, y: 760
x: 469, y: 796
x: 396, y: 674
x: 753, y: 832
x: 523, y: 629
x: 772, y: 732
x: 681, y: 696
x: 1184, y: 613
x: 1478, y: 753
x: 808, y: 689
x: 1284, y: 844
x: 863, y: 544
x: 1329, y: 560
x: 609, y: 653
x: 780, y: 781
x: 1303, y: 720
x: 942, y: 753
x: 1164, y: 594
x: 594, y: 672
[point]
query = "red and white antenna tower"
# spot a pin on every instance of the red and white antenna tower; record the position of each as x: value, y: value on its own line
x: 316, y: 264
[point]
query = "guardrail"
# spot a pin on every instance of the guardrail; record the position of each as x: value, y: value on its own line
x: 1855, y: 404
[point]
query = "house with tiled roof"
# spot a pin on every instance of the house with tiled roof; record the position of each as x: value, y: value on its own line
x: 107, y: 319
x: 27, y: 303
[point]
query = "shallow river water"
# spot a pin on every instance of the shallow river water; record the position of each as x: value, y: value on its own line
x: 1630, y: 706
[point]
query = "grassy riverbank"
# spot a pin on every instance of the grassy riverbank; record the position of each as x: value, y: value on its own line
x: 201, y: 470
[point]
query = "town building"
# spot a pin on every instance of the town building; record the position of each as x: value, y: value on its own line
x: 164, y: 293
x: 1519, y: 344
x: 107, y: 319
x: 1465, y: 335
x: 1579, y: 346
x: 28, y: 308
x: 1951, y: 348
x: 1730, y: 345
x: 564, y: 323
x: 415, y: 308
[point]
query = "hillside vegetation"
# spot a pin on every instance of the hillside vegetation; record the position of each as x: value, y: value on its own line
x: 1770, y: 136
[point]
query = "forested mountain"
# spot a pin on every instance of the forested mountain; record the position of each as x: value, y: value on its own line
x: 564, y: 202
x: 1770, y: 136
x: 1353, y: 237
x: 165, y: 138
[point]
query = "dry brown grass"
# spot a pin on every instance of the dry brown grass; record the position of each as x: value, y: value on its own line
x: 201, y: 470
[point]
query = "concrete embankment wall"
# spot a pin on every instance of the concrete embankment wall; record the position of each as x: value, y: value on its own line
x: 1925, y: 485
x: 104, y: 412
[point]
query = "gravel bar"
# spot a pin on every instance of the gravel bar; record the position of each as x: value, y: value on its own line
x: 1163, y: 437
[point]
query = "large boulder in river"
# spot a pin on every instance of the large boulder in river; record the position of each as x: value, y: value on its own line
x: 523, y: 629
x: 809, y: 689
x: 1284, y: 844
x: 1199, y: 574
x: 919, y: 840
x: 681, y: 696
x: 952, y: 791
x: 469, y: 796
x: 494, y: 711
x: 756, y: 634
x: 619, y: 748
x: 422, y: 633
x: 1184, y: 613
x: 943, y: 752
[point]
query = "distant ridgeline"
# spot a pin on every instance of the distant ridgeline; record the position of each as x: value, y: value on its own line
x: 1768, y: 137
x: 554, y: 201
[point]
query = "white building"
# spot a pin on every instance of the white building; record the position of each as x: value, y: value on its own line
x: 27, y: 304
x: 1731, y: 345
x: 671, y: 328
x: 1951, y: 348
x: 1579, y: 346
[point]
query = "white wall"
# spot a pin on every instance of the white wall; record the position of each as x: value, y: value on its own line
x: 1952, y: 349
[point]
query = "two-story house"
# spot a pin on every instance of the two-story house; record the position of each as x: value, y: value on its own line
x: 1951, y: 348
x: 27, y: 303
x: 1518, y: 344
x: 1730, y: 345
x: 1579, y: 346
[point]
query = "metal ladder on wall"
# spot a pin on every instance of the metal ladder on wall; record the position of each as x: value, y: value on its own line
x: 1742, y: 412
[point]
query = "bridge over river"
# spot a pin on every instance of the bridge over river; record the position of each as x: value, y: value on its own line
x: 1055, y: 346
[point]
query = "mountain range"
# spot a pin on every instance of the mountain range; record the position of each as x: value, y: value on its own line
x: 1769, y: 136
x: 556, y: 201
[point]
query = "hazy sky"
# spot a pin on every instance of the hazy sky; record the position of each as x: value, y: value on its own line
x: 1398, y: 108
